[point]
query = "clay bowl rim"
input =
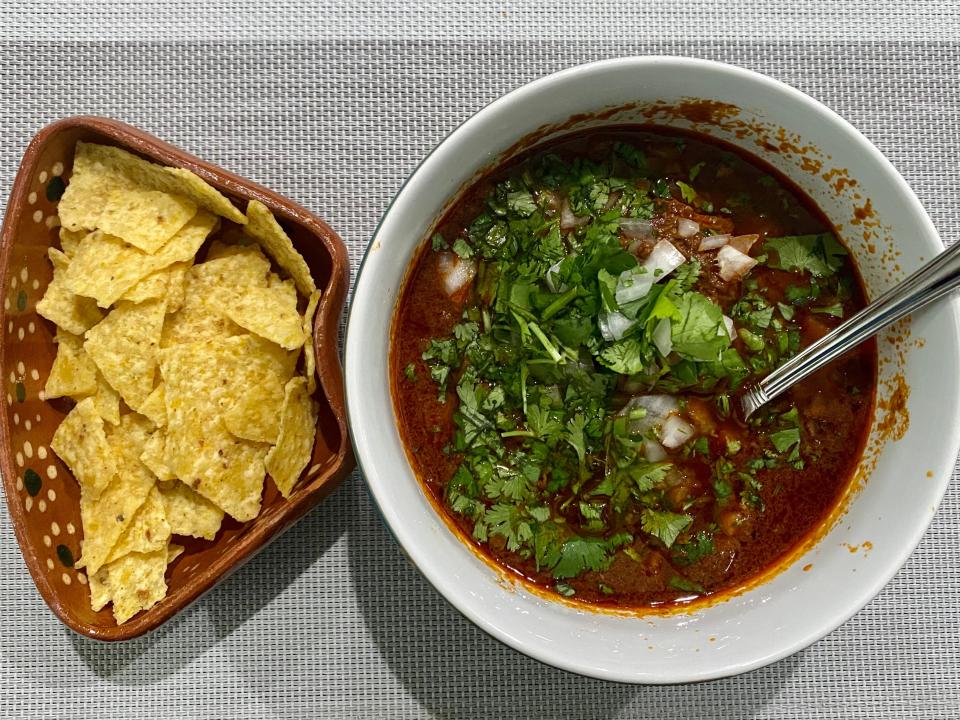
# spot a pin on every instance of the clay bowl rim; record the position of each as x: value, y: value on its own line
x: 262, y: 530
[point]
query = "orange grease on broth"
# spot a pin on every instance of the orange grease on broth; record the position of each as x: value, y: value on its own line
x: 714, y: 113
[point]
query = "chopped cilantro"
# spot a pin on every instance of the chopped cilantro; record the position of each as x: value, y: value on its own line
x: 700, y: 334
x: 664, y: 525
x: 688, y: 194
x: 462, y: 248
x: 694, y: 550
x: 750, y: 495
x: 578, y: 555
x: 410, y: 371
x: 783, y: 440
x: 625, y: 357
x: 817, y: 254
x: 522, y: 203
x: 678, y: 582
x: 836, y: 310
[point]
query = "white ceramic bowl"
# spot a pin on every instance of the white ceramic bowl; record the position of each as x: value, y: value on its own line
x: 903, y: 479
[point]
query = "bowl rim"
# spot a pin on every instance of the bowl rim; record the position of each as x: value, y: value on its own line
x: 326, y: 349
x: 364, y: 449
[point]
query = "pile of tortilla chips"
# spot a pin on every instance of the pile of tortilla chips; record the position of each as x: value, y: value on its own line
x: 186, y: 372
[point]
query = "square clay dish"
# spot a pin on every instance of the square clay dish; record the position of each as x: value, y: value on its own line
x: 42, y: 495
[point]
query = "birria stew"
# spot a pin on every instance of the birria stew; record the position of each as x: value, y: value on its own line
x: 567, y: 351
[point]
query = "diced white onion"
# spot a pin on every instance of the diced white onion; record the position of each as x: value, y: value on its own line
x: 636, y: 228
x: 729, y: 327
x: 675, y: 431
x: 743, y: 243
x: 614, y: 325
x: 687, y: 228
x: 662, y: 260
x: 657, y: 407
x: 633, y: 286
x: 663, y: 336
x: 456, y: 272
x: 733, y: 263
x: 653, y: 451
x: 664, y: 257
x: 712, y: 242
x: 553, y: 275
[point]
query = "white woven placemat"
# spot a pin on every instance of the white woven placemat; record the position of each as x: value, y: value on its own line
x: 333, y: 104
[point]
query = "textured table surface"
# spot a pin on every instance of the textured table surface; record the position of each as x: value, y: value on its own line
x: 333, y: 104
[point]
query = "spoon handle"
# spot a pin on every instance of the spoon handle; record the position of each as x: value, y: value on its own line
x: 931, y: 282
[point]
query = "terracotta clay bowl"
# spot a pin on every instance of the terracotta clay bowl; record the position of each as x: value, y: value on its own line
x: 42, y: 495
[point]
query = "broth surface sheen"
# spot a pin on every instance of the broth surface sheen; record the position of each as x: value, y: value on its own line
x: 567, y: 350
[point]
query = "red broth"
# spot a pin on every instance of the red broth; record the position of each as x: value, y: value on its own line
x: 673, y: 497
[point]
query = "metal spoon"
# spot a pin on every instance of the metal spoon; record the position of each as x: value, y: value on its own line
x: 931, y: 282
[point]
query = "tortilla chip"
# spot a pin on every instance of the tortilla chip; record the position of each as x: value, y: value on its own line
x: 269, y: 312
x: 61, y: 306
x: 189, y: 513
x: 196, y: 321
x: 148, y: 531
x: 81, y: 442
x: 263, y: 227
x: 106, y: 267
x: 309, y: 357
x: 165, y: 283
x: 87, y: 192
x: 241, y: 267
x: 173, y: 552
x: 154, y: 456
x: 176, y: 285
x: 154, y: 407
x: 123, y: 169
x: 134, y: 583
x: 106, y: 517
x: 298, y: 426
x: 99, y: 590
x: 146, y: 219
x: 233, y: 244
x: 70, y: 240
x: 106, y: 401
x: 73, y: 373
x: 125, y: 345
x: 202, y: 379
x: 208, y: 288
x: 255, y: 415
